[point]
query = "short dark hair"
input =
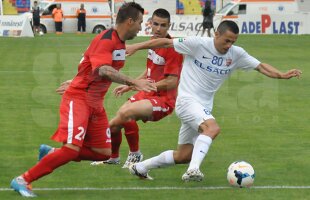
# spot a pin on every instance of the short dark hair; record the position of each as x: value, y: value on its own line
x: 228, y: 25
x: 162, y: 13
x: 129, y: 10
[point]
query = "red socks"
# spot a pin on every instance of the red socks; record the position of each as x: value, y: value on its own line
x: 50, y: 162
x: 116, y: 140
x: 58, y: 158
x: 132, y: 135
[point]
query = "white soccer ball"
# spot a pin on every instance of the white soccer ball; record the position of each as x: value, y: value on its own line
x: 41, y: 33
x: 240, y: 174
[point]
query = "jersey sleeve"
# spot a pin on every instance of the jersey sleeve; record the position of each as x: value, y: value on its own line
x: 186, y: 46
x: 101, y: 54
x: 246, y: 61
x: 173, y: 62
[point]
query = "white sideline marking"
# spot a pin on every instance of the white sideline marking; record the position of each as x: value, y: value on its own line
x: 160, y: 188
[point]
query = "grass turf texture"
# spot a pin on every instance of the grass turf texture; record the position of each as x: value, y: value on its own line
x: 263, y: 121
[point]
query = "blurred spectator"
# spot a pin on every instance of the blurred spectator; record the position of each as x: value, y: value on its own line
x: 81, y: 15
x: 35, y: 10
x: 207, y: 22
x: 58, y: 17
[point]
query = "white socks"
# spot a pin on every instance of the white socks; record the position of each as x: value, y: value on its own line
x: 200, y: 150
x: 162, y: 160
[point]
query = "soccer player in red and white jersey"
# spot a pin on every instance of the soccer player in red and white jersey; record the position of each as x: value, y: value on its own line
x: 163, y: 67
x: 84, y: 128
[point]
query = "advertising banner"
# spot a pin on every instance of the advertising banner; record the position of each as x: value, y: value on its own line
x: 15, y: 26
x: 181, y: 25
x: 190, y: 25
x: 274, y: 24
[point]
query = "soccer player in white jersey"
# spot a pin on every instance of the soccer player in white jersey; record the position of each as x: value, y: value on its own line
x: 207, y: 63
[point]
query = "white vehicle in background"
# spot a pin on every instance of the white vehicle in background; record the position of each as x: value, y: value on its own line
x: 98, y: 15
x: 243, y: 8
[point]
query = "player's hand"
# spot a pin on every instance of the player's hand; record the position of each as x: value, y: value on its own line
x: 63, y: 87
x: 144, y: 85
x: 120, y: 90
x: 292, y: 73
x: 130, y: 49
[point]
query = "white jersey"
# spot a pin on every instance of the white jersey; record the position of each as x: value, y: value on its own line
x: 205, y: 69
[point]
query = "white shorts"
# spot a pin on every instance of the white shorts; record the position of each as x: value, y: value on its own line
x: 191, y: 114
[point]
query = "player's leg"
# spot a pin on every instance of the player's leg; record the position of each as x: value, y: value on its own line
x: 209, y: 32
x: 79, y: 26
x: 168, y: 158
x: 47, y: 165
x: 116, y: 140
x: 126, y: 118
x: 209, y: 129
x: 69, y: 133
x: 84, y: 26
x: 34, y: 25
x: 165, y: 159
x: 37, y: 25
x: 131, y: 130
x: 57, y: 27
x: 204, y: 125
x: 137, y: 110
x: 160, y: 108
x: 97, y: 141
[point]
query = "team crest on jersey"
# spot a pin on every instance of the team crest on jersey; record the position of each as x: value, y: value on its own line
x: 228, y: 62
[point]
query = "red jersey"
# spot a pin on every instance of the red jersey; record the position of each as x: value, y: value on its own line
x: 105, y: 49
x: 162, y: 62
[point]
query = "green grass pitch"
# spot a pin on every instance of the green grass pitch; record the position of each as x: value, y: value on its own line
x: 263, y: 121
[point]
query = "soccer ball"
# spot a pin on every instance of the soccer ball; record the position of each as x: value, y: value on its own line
x: 240, y: 174
x: 41, y: 33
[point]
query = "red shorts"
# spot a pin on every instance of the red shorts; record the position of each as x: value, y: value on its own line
x: 82, y: 125
x: 161, y: 107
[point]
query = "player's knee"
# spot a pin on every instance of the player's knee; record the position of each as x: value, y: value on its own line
x: 125, y: 114
x: 215, y: 130
x: 210, y: 130
x: 114, y: 127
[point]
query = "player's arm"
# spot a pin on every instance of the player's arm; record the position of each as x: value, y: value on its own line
x: 121, y: 89
x: 53, y: 12
x: 272, y: 72
x: 168, y: 83
x: 150, y: 44
x: 113, y: 75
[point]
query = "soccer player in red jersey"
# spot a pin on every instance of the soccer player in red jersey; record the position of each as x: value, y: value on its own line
x: 163, y: 67
x: 84, y: 128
